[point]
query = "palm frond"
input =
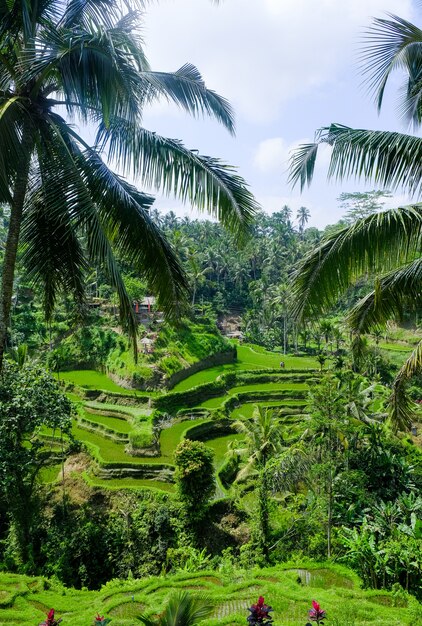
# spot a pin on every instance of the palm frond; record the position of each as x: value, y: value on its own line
x: 395, y: 291
x: 85, y: 214
x: 401, y: 406
x: 88, y: 12
x: 52, y: 252
x: 388, y: 159
x: 182, y: 609
x: 187, y: 89
x: 95, y: 70
x: 377, y: 243
x: 13, y: 114
x: 121, y: 214
x: 137, y: 239
x: 302, y: 164
x: 392, y: 44
x: 166, y: 165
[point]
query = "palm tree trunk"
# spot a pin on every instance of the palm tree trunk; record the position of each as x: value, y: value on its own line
x: 264, y: 517
x: 9, y: 263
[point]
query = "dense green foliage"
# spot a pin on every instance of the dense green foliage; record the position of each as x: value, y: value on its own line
x: 195, y: 480
x: 30, y: 400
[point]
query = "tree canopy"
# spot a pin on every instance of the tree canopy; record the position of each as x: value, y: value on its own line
x: 65, y: 62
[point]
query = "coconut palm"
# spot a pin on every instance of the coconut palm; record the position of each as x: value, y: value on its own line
x: 182, y: 609
x: 387, y: 244
x: 262, y: 441
x: 67, y: 207
x: 303, y: 214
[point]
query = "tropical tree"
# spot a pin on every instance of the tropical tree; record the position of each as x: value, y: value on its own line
x: 67, y: 207
x: 263, y: 441
x: 30, y: 401
x: 386, y: 245
x: 360, y: 204
x: 303, y: 214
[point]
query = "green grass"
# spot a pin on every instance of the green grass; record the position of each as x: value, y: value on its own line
x: 246, y: 410
x: 129, y: 483
x: 215, y: 403
x: 116, y: 424
x: 219, y: 447
x: 269, y: 387
x: 134, y: 411
x: 25, y: 600
x: 249, y: 357
x: 170, y: 437
x: 91, y: 379
x: 257, y: 356
x: 109, y: 451
x: 395, y: 347
x: 50, y: 473
x: 209, y: 375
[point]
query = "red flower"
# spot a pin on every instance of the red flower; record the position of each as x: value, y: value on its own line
x: 260, y: 613
x: 316, y: 614
x: 51, y: 620
x: 99, y: 618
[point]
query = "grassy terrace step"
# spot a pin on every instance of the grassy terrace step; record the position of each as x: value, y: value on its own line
x: 25, y: 600
x: 117, y: 409
x: 129, y: 483
x: 249, y: 358
x: 116, y: 424
x: 246, y: 409
x: 91, y: 379
x: 109, y: 453
x: 105, y: 432
x: 286, y: 397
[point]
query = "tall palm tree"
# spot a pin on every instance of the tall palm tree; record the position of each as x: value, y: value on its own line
x: 388, y: 244
x: 303, y: 214
x: 67, y: 207
x: 263, y: 440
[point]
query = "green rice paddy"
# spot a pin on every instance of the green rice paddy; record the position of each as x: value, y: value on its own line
x: 248, y: 358
x: 116, y: 424
x: 290, y: 590
x: 246, y: 410
x: 123, y: 420
x: 91, y: 379
x: 135, y: 411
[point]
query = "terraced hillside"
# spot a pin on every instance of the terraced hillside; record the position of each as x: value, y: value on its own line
x: 289, y: 589
x: 131, y: 435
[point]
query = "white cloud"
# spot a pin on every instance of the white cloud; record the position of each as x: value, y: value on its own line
x: 263, y: 54
x: 271, y: 155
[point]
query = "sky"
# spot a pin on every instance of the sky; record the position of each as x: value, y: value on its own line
x: 288, y: 67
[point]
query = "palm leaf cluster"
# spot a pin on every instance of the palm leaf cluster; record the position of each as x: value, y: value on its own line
x: 182, y: 609
x: 81, y: 64
x: 386, y: 246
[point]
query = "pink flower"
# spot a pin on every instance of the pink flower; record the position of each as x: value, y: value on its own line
x: 51, y: 620
x: 316, y: 614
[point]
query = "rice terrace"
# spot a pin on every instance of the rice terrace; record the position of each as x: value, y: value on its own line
x: 210, y: 348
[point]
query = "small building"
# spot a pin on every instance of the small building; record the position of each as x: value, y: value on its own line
x: 146, y: 344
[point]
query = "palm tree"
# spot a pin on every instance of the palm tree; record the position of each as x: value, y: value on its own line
x: 303, y: 214
x: 387, y: 244
x: 263, y: 440
x: 67, y: 208
x: 182, y: 609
